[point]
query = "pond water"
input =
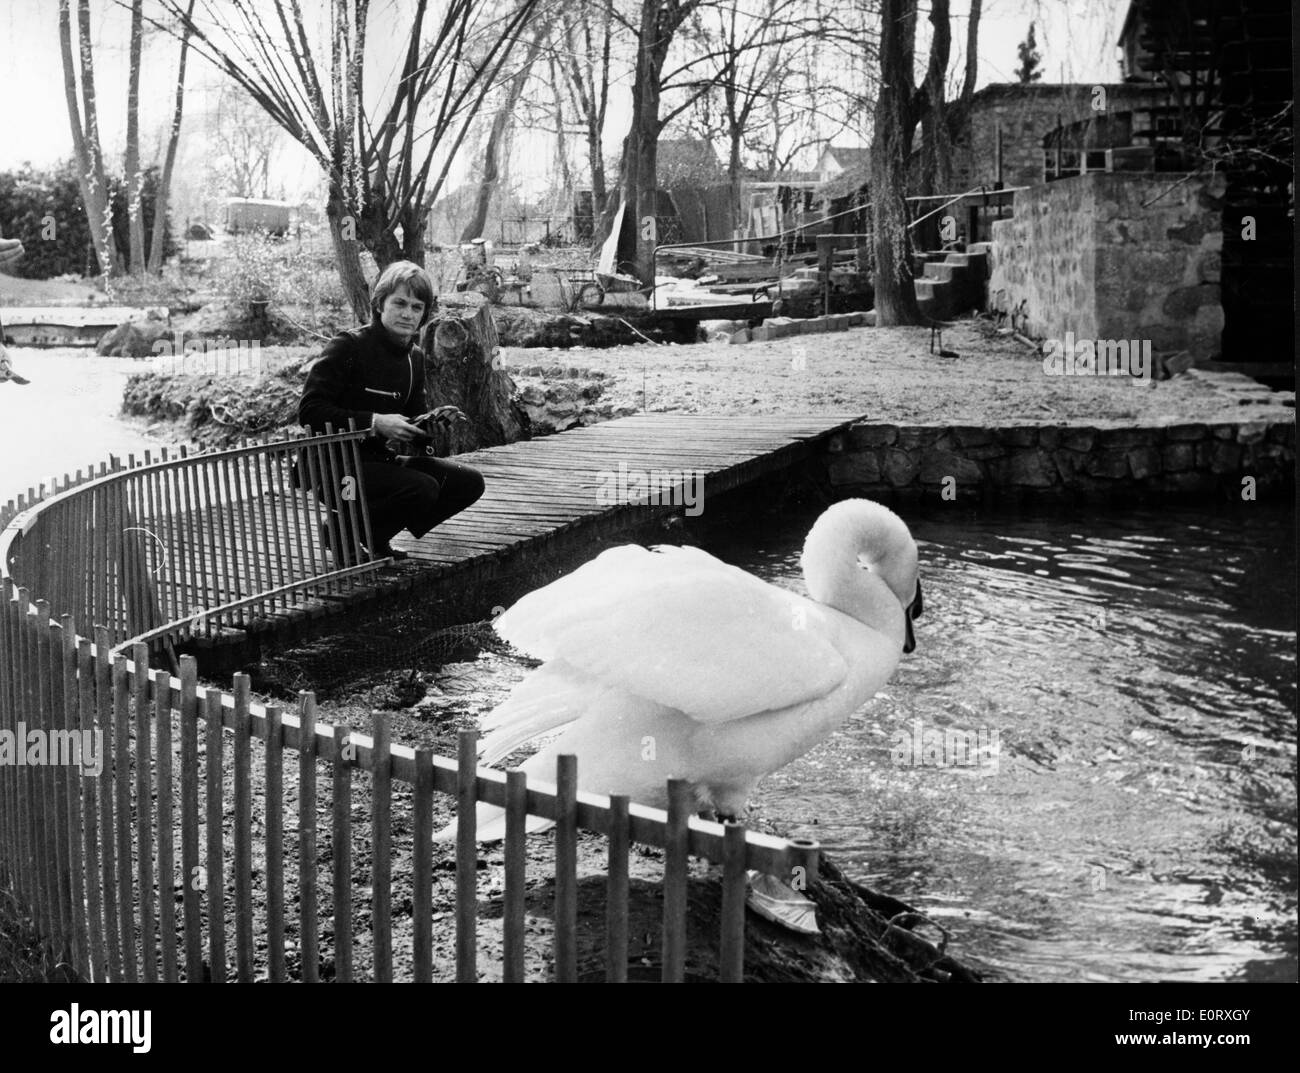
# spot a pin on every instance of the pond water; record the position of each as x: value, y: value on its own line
x: 1131, y: 682
x: 67, y: 418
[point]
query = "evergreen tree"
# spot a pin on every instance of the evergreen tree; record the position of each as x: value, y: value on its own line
x: 1029, y: 59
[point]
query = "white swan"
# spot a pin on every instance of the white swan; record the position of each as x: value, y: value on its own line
x: 672, y: 664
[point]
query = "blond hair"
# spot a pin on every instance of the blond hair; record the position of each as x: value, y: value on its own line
x: 403, y: 274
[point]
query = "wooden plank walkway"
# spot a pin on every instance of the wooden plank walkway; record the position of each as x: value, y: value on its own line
x: 543, y: 497
x: 536, y: 487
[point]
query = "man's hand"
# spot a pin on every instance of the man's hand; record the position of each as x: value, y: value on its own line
x: 396, y: 427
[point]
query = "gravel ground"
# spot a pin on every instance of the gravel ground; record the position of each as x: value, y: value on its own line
x: 889, y: 374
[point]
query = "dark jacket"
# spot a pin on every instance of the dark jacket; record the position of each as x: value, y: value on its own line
x: 360, y: 373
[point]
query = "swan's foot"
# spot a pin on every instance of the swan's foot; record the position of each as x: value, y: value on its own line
x: 775, y: 901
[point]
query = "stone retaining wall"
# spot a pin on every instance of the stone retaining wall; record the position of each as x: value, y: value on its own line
x: 1114, y: 256
x: 1064, y: 461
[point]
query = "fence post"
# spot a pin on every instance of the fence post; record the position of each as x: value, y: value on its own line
x: 467, y: 857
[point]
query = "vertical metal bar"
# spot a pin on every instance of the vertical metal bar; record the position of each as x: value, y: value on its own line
x: 122, y: 792
x: 381, y: 856
x: 214, y: 845
x: 317, y: 482
x: 190, y: 534
x: 347, y: 520
x: 333, y: 501
x: 193, y: 880
x: 367, y: 538
x: 144, y: 809
x: 297, y: 511
x: 209, y: 526
x: 52, y: 826
x: 275, y: 843
x: 243, y: 848
x: 268, y: 535
x: 27, y: 786
x: 467, y: 858
x: 616, y: 908
x: 422, y: 864
x: 166, y: 834
x: 79, y: 713
x: 512, y: 912
x: 675, y: 874
x: 58, y: 757
x: 64, y: 776
x: 215, y: 514
x: 10, y: 859
x: 308, y: 932
x: 342, y: 852
x: 165, y: 508
x: 349, y: 468
x: 566, y: 869
x: 104, y: 843
x: 731, y: 956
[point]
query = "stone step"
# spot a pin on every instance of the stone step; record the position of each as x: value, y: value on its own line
x: 977, y: 263
x: 933, y: 297
x: 942, y: 271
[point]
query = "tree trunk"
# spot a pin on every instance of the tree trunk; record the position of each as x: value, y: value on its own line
x: 462, y: 368
x: 347, y: 254
x: 890, y: 149
x: 173, y: 136
x: 498, y: 139
x: 134, y: 207
x: 85, y: 139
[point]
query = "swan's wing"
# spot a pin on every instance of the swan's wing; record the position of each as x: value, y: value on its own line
x: 679, y: 627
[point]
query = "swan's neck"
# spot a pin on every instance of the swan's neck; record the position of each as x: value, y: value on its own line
x: 853, y: 535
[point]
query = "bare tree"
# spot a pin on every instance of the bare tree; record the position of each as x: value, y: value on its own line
x: 169, y: 158
x: 499, y: 137
x: 379, y: 161
x: 583, y: 52
x: 134, y: 209
x: 247, y: 140
x: 83, y: 115
x: 900, y: 105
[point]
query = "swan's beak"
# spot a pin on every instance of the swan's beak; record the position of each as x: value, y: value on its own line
x: 913, y: 611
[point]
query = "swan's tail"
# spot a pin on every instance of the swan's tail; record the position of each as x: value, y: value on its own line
x: 547, y: 699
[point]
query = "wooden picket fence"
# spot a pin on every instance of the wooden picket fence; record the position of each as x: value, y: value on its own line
x: 163, y: 856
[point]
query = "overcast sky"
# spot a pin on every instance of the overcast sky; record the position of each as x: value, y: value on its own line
x: 1075, y: 37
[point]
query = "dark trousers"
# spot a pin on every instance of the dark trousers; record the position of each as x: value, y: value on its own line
x: 416, y: 495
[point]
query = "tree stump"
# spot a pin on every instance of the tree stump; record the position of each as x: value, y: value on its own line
x: 462, y: 368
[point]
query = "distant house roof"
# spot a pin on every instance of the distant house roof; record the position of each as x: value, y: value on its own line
x: 997, y: 92
x: 690, y: 161
x: 786, y: 175
x: 849, y: 181
x: 847, y: 156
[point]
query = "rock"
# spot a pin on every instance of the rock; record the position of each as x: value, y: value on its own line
x: 873, y: 435
x: 900, y: 468
x: 1181, y: 433
x: 937, y: 465
x: 134, y: 339
x: 1032, y: 469
x: 1144, y: 462
x: 1177, y: 457
x: 855, y: 469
